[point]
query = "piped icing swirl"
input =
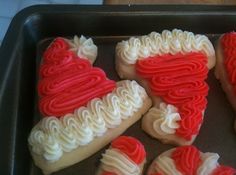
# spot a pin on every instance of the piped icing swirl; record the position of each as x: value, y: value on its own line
x: 68, y: 81
x: 228, y: 42
x: 175, y: 41
x: 84, y: 48
x: 52, y: 136
x: 124, y: 157
x: 166, y: 118
x: 180, y: 83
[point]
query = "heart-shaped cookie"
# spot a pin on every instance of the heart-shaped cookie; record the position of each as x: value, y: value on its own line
x: 188, y: 160
x: 180, y: 81
x: 83, y: 109
x: 126, y: 155
x: 173, y: 67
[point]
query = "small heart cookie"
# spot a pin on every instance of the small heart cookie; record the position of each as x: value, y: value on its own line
x: 188, y: 160
x: 125, y: 156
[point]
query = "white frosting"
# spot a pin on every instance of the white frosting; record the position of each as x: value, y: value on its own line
x: 166, y: 118
x: 53, y: 136
x: 84, y: 48
x: 114, y: 161
x: 158, y: 44
x: 165, y: 165
x: 209, y: 163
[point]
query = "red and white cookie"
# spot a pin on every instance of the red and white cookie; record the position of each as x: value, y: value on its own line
x: 83, y: 110
x: 188, y: 160
x: 225, y: 69
x: 125, y: 156
x: 173, y: 67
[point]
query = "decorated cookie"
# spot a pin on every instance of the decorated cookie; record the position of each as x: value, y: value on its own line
x: 125, y: 156
x: 69, y: 81
x: 188, y: 160
x: 173, y: 67
x: 226, y: 66
x: 82, y: 109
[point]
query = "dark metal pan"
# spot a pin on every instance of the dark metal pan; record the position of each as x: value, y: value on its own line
x: 31, y: 31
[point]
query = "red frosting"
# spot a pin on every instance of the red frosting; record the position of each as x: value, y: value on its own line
x: 179, y: 80
x: 187, y: 159
x: 108, y: 173
x: 131, y: 147
x: 67, y: 81
x: 224, y: 170
x: 55, y: 49
x: 228, y: 43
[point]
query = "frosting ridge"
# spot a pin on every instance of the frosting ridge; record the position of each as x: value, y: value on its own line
x: 166, y: 165
x: 173, y: 42
x: 209, y: 163
x: 52, y: 136
x: 130, y: 147
x: 187, y: 159
x: 228, y: 46
x: 114, y: 161
x: 125, y: 156
x: 68, y: 81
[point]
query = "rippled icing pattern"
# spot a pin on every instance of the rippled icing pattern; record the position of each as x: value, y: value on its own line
x: 228, y: 43
x: 67, y: 81
x: 179, y: 80
x: 131, y: 147
x: 187, y: 159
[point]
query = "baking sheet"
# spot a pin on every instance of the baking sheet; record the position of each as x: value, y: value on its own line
x: 32, y: 28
